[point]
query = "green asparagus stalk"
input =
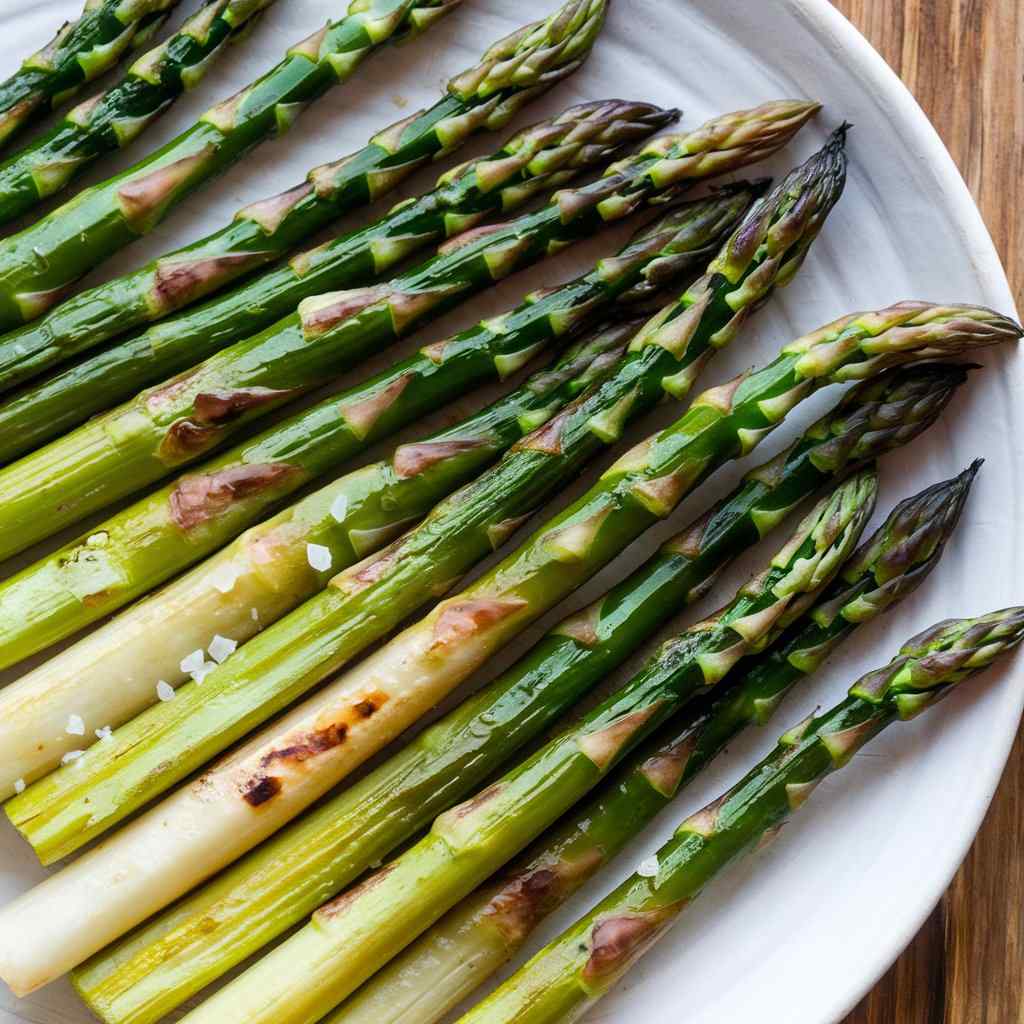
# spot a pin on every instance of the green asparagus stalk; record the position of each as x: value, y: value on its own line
x: 203, y: 510
x: 640, y: 489
x: 314, y: 972
x: 184, y: 418
x: 114, y: 118
x: 486, y: 930
x: 123, y: 668
x: 364, y: 603
x: 572, y: 973
x: 78, y: 53
x: 39, y: 265
x: 173, y: 956
x: 510, y: 75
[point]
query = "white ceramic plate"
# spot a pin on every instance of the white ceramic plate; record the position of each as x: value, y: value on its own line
x: 802, y: 932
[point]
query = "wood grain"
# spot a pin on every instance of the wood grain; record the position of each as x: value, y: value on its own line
x: 964, y: 61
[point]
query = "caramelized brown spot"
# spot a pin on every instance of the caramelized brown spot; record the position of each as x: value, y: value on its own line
x: 366, y: 709
x: 213, y: 407
x: 199, y: 498
x: 262, y: 790
x: 412, y: 459
x: 321, y: 319
x: 316, y: 742
x: 617, y: 941
x: 547, y: 438
x: 177, y: 282
x: 459, y: 620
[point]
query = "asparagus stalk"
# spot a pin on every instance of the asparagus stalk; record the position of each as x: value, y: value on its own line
x: 40, y: 264
x: 279, y: 884
x: 116, y: 117
x: 124, y: 667
x: 78, y: 53
x: 572, y: 973
x: 367, y: 601
x: 487, y: 929
x: 510, y: 75
x: 184, y: 418
x: 466, y: 844
x: 256, y: 795
x: 203, y: 510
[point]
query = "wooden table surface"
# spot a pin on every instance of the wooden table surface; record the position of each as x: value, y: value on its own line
x: 964, y: 61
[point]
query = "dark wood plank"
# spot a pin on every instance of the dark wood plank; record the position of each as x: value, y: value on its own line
x: 964, y: 61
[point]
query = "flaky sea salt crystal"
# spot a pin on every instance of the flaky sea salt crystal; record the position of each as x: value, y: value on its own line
x: 224, y: 577
x: 164, y: 690
x: 319, y: 557
x: 71, y: 755
x: 648, y: 868
x: 254, y: 614
x: 190, y: 663
x: 221, y: 648
x: 19, y: 785
x: 105, y: 733
x: 75, y: 726
x: 339, y: 508
x: 200, y: 674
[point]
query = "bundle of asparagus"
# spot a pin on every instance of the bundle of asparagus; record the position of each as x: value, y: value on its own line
x: 182, y: 419
x: 511, y: 73
x: 78, y: 53
x: 116, y: 117
x: 147, y: 543
x: 39, y: 265
x: 365, y: 602
x: 470, y: 943
x: 113, y: 674
x: 361, y: 930
x: 165, y: 852
x: 572, y: 973
x: 279, y: 884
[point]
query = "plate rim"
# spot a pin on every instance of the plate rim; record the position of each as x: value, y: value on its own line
x: 825, y: 17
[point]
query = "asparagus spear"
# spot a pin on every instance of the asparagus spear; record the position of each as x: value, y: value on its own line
x: 572, y: 973
x: 124, y: 667
x: 184, y: 418
x: 279, y: 884
x: 142, y: 854
x: 202, y: 511
x: 78, y: 53
x: 511, y: 73
x: 39, y: 265
x: 488, y: 928
x: 116, y: 117
x: 364, y: 603
x: 466, y: 844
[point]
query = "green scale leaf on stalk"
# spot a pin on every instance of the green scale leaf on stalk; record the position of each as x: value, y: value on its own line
x: 487, y: 929
x: 510, y: 75
x: 352, y: 936
x: 116, y: 117
x: 572, y: 973
x: 177, y: 525
x: 186, y: 417
x: 78, y: 53
x: 40, y: 264
x: 173, y: 956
